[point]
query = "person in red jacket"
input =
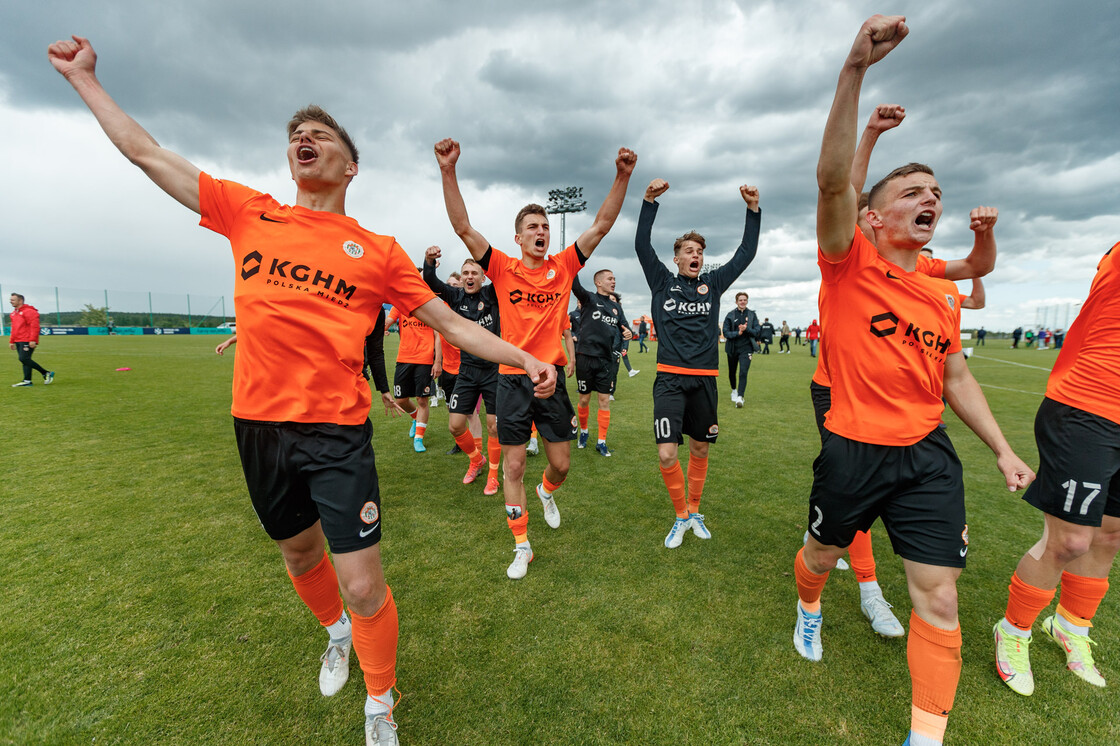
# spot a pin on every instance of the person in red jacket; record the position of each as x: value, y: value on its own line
x: 25, y: 338
x: 813, y: 334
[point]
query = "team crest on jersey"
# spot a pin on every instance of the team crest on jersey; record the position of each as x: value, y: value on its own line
x: 550, y: 274
x: 481, y: 305
x: 951, y: 301
x: 575, y: 422
x: 353, y: 249
x: 614, y: 311
x: 713, y: 430
x: 964, y: 535
x: 702, y: 289
x: 369, y: 513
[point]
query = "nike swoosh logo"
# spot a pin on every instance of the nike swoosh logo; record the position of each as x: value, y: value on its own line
x: 964, y: 551
x: 888, y: 271
x: 363, y: 534
x: 267, y: 219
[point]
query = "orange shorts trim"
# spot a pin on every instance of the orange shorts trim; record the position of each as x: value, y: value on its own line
x: 662, y: 368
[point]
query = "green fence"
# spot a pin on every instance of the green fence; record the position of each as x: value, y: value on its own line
x: 85, y: 307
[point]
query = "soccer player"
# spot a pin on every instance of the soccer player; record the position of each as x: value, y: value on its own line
x: 685, y: 311
x: 1078, y: 491
x: 601, y: 321
x: 893, y: 349
x: 740, y: 328
x: 478, y: 378
x: 419, y: 360
x: 533, y: 293
x: 980, y: 260
x: 308, y: 285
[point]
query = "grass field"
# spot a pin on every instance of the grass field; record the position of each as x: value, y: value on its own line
x: 143, y: 604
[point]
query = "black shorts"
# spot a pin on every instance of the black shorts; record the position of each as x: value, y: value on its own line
x: 412, y: 379
x: 918, y: 491
x: 447, y: 383
x: 684, y: 405
x: 518, y: 409
x: 1079, y: 465
x: 474, y: 382
x: 299, y: 473
x: 822, y: 402
x: 595, y: 373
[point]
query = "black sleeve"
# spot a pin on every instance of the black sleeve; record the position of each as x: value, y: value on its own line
x: 438, y: 286
x: 582, y: 259
x: 654, y: 270
x: 484, y: 262
x: 375, y: 354
x: 730, y: 331
x: 753, y: 327
x: 578, y: 290
x: 744, y: 255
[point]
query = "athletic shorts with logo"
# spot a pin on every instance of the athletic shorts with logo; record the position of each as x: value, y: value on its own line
x: 474, y: 382
x: 412, y: 379
x: 518, y: 409
x: 918, y: 491
x: 595, y: 374
x: 684, y: 405
x: 1079, y: 465
x: 299, y: 473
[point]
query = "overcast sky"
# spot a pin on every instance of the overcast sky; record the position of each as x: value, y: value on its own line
x: 1013, y: 104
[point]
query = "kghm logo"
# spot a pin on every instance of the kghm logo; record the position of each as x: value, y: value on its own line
x: 540, y: 299
x: 884, y: 324
x: 251, y: 264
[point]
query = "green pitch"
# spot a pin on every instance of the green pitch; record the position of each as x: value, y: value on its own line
x: 143, y: 604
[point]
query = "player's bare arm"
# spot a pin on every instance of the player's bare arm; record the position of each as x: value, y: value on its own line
x: 982, y: 259
x: 447, y: 155
x: 978, y: 299
x: 474, y: 339
x: 967, y: 400
x: 837, y: 201
x: 570, y: 351
x: 172, y: 173
x: 885, y: 117
x: 612, y: 205
x: 656, y: 188
x: 437, y: 364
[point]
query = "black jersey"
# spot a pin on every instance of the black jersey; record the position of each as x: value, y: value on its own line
x: 685, y: 310
x: 480, y: 307
x: 740, y: 342
x: 600, y: 322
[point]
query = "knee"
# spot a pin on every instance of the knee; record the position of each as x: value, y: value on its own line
x: 1107, y: 541
x: 939, y: 602
x: 300, y: 560
x: 364, y: 594
x: 1068, y: 547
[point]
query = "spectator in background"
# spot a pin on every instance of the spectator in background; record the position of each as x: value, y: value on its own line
x: 797, y: 335
x: 1059, y: 336
x: 24, y: 339
x: 783, y: 343
x: 766, y: 335
x: 1029, y: 336
x: 981, y: 335
x: 643, y: 334
x: 813, y: 336
x: 1016, y: 336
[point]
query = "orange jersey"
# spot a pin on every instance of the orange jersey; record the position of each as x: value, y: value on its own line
x: 926, y: 265
x: 889, y: 333
x: 1087, y: 372
x: 418, y: 342
x: 308, y: 288
x: 450, y: 356
x: 533, y: 303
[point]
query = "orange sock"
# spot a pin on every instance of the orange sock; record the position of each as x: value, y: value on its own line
x: 1025, y: 602
x: 494, y: 451
x: 604, y: 419
x: 519, y: 526
x: 466, y: 444
x: 549, y: 487
x: 534, y: 433
x: 809, y: 584
x: 1080, y: 597
x: 674, y: 481
x: 697, y: 474
x: 420, y: 428
x: 584, y: 414
x: 477, y: 443
x: 375, y: 642
x: 863, y: 561
x: 318, y: 588
x: 934, y: 656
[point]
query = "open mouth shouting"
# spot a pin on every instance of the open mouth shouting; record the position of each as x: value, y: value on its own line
x: 306, y: 154
x: 925, y: 219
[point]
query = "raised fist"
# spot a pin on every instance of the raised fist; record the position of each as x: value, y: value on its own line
x: 982, y: 218
x: 656, y: 188
x: 750, y: 196
x: 69, y: 57
x: 885, y: 117
x: 447, y: 153
x: 876, y: 38
x: 626, y: 161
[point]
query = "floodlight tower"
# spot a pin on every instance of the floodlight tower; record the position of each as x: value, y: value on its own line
x: 563, y: 201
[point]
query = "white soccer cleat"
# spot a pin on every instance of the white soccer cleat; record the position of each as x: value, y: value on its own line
x: 634, y: 372
x: 336, y: 668
x: 551, y: 512
x: 677, y: 532
x: 381, y: 730
x: 1079, y: 655
x: 698, y: 528
x: 807, y: 635
x: 738, y: 402
x: 883, y: 621
x: 522, y: 556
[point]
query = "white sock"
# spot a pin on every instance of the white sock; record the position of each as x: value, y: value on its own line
x: 533, y: 442
x: 523, y: 545
x: 544, y: 491
x: 340, y: 630
x: 582, y: 431
x: 1011, y: 629
x: 869, y: 589
x: 1068, y: 626
x: 379, y: 705
x: 918, y: 739
x: 601, y: 442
